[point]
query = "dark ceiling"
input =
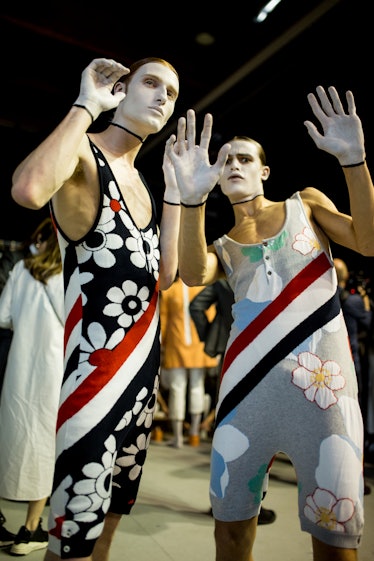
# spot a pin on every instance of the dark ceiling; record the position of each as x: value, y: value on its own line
x: 254, y: 79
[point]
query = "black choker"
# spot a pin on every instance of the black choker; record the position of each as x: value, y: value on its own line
x: 127, y: 130
x: 247, y: 200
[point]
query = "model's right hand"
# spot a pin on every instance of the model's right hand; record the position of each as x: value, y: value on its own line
x: 97, y: 83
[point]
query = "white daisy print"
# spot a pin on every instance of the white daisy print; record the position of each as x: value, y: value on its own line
x: 128, y: 303
x: 93, y: 492
x: 145, y: 250
x: 126, y: 419
x: 319, y: 379
x: 95, y: 347
x: 146, y: 416
x: 84, y: 279
x: 61, y: 526
x: 135, y: 456
x: 114, y: 205
x: 99, y: 245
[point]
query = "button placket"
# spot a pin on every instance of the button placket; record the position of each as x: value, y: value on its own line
x: 266, y: 258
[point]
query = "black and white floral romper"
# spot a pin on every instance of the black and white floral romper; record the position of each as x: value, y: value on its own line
x: 112, y: 357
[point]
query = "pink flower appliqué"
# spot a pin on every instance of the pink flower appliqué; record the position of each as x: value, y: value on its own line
x: 318, y: 379
x: 325, y: 510
x: 306, y: 242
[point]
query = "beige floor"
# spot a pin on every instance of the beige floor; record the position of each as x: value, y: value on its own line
x: 169, y: 521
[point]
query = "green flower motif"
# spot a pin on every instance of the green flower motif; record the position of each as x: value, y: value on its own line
x: 256, y: 484
x: 255, y: 253
x: 279, y: 242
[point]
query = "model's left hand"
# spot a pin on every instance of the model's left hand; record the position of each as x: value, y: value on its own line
x: 342, y: 136
x: 97, y: 81
x: 195, y: 176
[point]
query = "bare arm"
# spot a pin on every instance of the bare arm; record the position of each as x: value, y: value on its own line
x: 55, y: 160
x: 343, y: 138
x: 169, y: 228
x: 196, y: 177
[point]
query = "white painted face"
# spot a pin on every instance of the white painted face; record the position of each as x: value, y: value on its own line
x: 244, y: 172
x: 150, y: 99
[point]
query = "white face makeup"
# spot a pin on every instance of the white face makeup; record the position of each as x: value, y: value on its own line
x: 150, y: 99
x: 243, y: 172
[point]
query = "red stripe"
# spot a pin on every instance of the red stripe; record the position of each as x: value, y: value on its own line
x: 295, y: 287
x: 108, y: 363
x: 73, y: 318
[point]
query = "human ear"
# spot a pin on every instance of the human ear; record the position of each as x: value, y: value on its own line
x: 265, y: 173
x: 119, y: 87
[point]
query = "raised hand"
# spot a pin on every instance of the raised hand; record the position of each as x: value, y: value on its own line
x: 171, y: 193
x: 194, y: 173
x: 342, y: 136
x: 97, y: 82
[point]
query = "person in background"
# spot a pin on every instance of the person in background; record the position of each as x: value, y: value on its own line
x: 184, y: 363
x: 369, y: 442
x: 6, y: 537
x: 117, y: 255
x: 288, y: 381
x: 11, y: 251
x: 32, y: 306
x: 356, y: 308
x: 214, y: 334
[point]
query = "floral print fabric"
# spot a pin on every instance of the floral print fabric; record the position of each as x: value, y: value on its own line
x: 112, y: 357
x: 288, y: 385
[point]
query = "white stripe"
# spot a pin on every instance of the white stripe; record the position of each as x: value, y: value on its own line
x: 92, y: 413
x: 298, y: 310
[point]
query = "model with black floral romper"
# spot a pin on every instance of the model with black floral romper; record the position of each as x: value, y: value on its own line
x: 117, y: 256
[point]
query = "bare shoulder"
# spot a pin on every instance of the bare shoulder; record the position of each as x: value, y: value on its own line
x: 315, y: 200
x: 76, y: 203
x: 327, y: 220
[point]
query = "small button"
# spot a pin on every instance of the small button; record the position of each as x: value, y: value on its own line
x: 66, y: 548
x: 270, y: 273
x: 267, y: 257
x: 265, y: 244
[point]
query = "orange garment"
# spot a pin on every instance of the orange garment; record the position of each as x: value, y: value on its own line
x: 181, y: 346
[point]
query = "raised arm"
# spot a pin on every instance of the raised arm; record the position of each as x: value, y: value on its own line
x: 169, y: 227
x: 54, y: 161
x: 196, y: 177
x: 342, y: 136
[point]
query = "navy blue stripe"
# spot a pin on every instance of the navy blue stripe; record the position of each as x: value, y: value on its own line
x: 294, y: 338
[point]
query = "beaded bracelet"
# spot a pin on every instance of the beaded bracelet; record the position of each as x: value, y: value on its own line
x: 84, y: 107
x: 354, y: 165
